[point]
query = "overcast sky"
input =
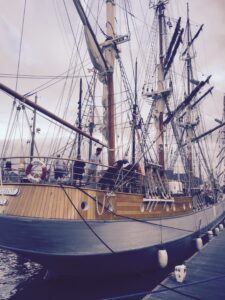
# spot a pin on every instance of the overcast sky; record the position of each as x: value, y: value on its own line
x: 211, y: 44
x: 47, y: 43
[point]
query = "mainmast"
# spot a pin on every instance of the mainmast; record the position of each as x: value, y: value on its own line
x: 189, y: 121
x: 110, y: 58
x: 91, y: 124
x: 134, y: 119
x: 160, y: 100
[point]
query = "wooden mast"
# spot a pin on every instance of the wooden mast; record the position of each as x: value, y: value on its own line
x: 91, y: 124
x: 189, y: 119
x: 109, y: 55
x: 160, y: 101
x: 134, y: 118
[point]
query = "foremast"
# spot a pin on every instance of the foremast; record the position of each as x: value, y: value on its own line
x: 110, y: 59
x: 162, y: 93
x: 103, y: 57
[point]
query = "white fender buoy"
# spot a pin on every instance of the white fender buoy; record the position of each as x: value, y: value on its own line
x: 221, y: 227
x: 162, y: 258
x: 199, y: 243
x: 180, y: 273
x: 216, y: 231
x: 210, y: 234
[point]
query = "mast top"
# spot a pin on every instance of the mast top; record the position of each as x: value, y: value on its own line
x: 157, y: 3
x: 187, y: 11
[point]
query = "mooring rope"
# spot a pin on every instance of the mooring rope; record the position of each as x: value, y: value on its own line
x: 88, y: 225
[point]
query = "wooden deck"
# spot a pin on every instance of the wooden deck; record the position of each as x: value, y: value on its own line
x: 51, y: 202
x: 205, y: 276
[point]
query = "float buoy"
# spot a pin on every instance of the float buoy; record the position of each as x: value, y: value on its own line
x: 210, y: 234
x: 221, y: 227
x: 216, y: 231
x: 199, y: 243
x: 162, y: 258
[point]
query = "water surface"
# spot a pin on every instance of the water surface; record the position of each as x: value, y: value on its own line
x: 21, y: 279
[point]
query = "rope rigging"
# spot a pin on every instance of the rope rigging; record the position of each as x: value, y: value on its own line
x: 6, y: 141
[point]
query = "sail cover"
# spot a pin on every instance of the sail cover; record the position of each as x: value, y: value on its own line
x: 94, y: 49
x: 96, y: 57
x: 104, y: 127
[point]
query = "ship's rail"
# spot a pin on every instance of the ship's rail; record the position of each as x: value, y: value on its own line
x: 71, y: 172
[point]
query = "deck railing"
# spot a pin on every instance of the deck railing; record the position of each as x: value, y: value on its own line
x: 46, y: 170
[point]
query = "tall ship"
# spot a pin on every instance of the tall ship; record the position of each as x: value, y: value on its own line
x: 122, y: 181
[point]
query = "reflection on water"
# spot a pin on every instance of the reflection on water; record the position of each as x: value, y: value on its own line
x: 13, y: 271
x: 23, y: 280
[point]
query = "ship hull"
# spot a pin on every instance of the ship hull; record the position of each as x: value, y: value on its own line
x: 71, y: 247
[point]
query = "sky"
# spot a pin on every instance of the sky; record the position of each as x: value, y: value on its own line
x: 211, y: 44
x: 48, y: 41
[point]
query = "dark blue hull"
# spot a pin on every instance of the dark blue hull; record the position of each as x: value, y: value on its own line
x: 70, y: 247
x: 130, y: 262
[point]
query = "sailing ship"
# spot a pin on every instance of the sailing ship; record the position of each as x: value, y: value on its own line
x: 137, y: 211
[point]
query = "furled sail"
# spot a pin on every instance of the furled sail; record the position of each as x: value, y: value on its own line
x: 94, y: 49
x: 104, y: 128
x: 96, y: 57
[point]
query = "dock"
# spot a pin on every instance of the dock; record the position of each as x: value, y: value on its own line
x: 205, y: 277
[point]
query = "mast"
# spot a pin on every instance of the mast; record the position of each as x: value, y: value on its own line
x: 104, y: 64
x: 134, y: 118
x: 109, y: 55
x: 189, y: 119
x: 190, y: 125
x: 79, y: 121
x: 160, y: 101
x: 91, y: 124
x: 33, y: 131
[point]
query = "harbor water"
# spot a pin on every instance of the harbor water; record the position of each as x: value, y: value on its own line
x: 21, y: 279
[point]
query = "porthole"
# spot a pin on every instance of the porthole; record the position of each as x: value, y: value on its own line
x: 84, y: 205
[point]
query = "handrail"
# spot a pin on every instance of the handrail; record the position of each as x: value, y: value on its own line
x: 70, y: 172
